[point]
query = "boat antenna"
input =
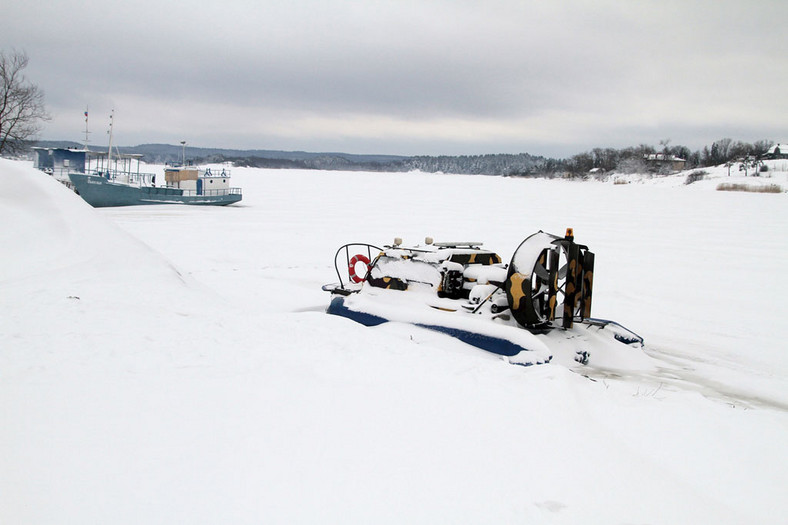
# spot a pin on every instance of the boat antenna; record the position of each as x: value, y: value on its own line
x: 183, y: 145
x: 86, y: 128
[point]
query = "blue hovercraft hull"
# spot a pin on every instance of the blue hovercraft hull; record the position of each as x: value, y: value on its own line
x: 521, y: 354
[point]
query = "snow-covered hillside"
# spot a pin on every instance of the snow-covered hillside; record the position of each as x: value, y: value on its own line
x: 174, y: 364
x: 775, y: 177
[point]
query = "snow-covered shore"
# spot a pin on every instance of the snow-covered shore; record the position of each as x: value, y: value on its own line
x: 711, y: 178
x: 173, y: 364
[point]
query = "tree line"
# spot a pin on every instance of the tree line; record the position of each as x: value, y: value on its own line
x: 635, y: 159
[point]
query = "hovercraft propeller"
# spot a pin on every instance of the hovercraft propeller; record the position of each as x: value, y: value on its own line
x: 547, y: 271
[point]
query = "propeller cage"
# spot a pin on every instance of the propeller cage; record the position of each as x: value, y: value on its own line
x: 550, y: 277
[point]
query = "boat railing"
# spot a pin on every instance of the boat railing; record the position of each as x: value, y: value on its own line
x: 216, y: 173
x: 212, y: 193
x: 59, y: 173
x: 347, y: 257
x: 125, y: 177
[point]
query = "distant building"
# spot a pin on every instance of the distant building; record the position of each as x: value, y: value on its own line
x: 59, y: 161
x: 778, y: 151
x: 662, y: 162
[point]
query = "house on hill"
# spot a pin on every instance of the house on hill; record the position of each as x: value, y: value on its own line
x: 778, y: 151
x: 662, y: 162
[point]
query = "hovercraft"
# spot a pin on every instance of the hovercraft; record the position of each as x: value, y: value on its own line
x: 524, y: 311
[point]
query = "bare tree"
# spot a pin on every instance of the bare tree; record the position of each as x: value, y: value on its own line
x: 21, y: 103
x: 665, y: 147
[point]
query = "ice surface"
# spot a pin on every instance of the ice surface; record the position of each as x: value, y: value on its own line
x: 173, y: 365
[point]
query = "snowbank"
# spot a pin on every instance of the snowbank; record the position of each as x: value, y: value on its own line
x: 710, y: 178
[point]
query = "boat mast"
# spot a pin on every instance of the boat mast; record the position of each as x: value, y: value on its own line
x: 109, y: 153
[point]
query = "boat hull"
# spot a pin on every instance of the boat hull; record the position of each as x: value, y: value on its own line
x: 100, y: 192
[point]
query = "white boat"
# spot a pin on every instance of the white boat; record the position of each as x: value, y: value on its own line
x: 106, y: 179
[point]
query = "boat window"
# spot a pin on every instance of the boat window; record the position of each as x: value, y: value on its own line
x: 409, y: 271
x: 475, y: 258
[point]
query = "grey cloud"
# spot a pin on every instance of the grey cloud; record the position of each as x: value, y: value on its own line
x: 673, y: 66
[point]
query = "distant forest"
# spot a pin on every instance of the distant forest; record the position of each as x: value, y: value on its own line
x: 626, y: 160
x: 633, y: 159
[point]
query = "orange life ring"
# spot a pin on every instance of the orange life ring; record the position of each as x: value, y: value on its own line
x: 351, y: 270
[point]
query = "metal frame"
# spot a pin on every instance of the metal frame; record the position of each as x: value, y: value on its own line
x: 346, y: 248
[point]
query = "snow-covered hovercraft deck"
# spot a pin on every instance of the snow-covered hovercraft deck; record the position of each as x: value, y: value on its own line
x: 540, y: 300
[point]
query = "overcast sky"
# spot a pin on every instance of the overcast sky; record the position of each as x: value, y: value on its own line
x: 408, y: 77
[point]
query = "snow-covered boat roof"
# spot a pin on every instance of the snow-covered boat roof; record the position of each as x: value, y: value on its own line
x: 462, y: 252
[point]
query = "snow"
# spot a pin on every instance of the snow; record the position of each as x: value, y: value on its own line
x: 174, y: 365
